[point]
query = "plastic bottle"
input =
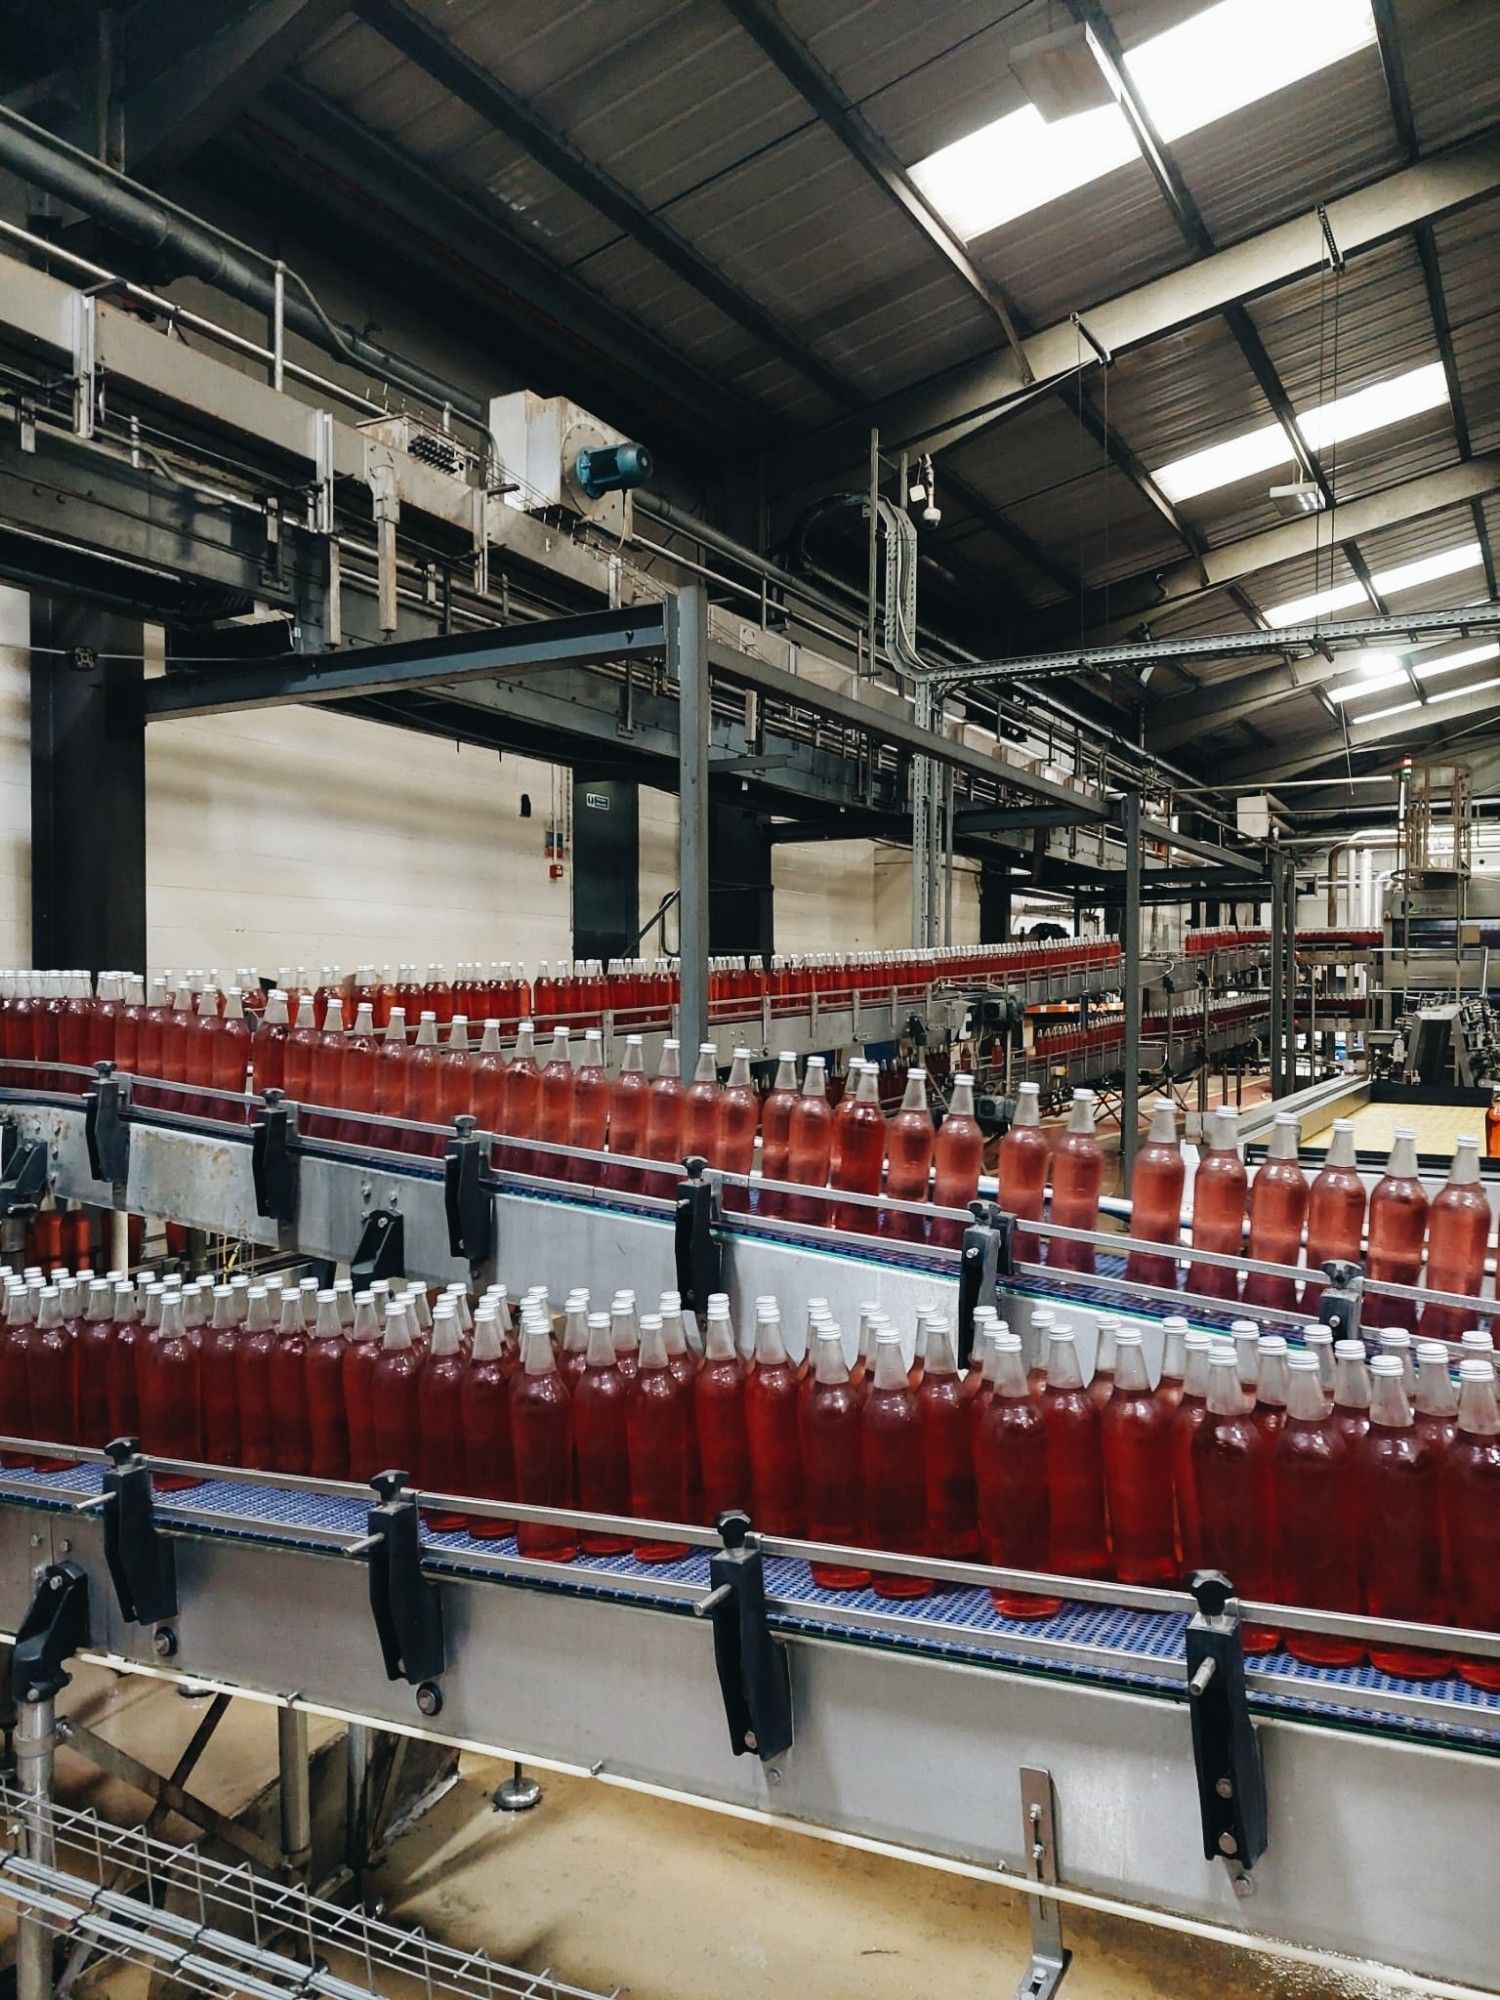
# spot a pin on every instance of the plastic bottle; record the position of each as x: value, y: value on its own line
x: 828, y: 1425
x: 684, y: 1364
x: 861, y: 1150
x: 1218, y: 1208
x: 360, y: 1076
x: 947, y: 1450
x: 957, y: 1156
x: 92, y: 1344
x: 1135, y: 1436
x: 455, y: 1084
x: 1398, y: 1220
x: 656, y: 1425
x: 1174, y: 1332
x: 1278, y: 1208
x: 176, y: 1423
x: 200, y: 1035
x: 51, y: 1380
x: 361, y: 1357
x: 397, y: 1375
x: 1469, y: 1496
x: 629, y: 1109
x: 1245, y: 1334
x: 391, y: 1081
x: 1402, y: 1547
x: 1021, y: 1169
x: 1335, y: 1211
x: 909, y: 1148
x: 700, y: 1116
x: 327, y: 1424
x: 666, y: 1109
x: 1077, y: 1178
x: 1190, y: 1417
x: 268, y: 1044
x: 484, y: 1420
x: 221, y: 1420
x: 1232, y: 1481
x: 440, y: 1460
x: 776, y: 1123
x: 1156, y: 1199
x: 1458, y: 1230
x: 328, y: 1056
x: 1010, y: 1470
x: 542, y: 1445
x: 1272, y: 1387
x: 590, y: 1114
x: 1075, y: 1465
x: 809, y: 1140
x: 290, y: 1442
x: 1435, y: 1399
x: 297, y: 1052
x: 487, y: 1081
x: 1102, y: 1381
x: 252, y: 1380
x: 771, y: 1431
x: 625, y: 1332
x: 1316, y: 1509
x: 891, y: 1469
x: 739, y: 1114
x: 719, y: 1411
x: 600, y: 1400
x: 121, y: 1371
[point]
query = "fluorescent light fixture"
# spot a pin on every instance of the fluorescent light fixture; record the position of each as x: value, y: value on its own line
x: 1301, y: 496
x: 1388, y: 582
x: 1380, y: 714
x: 1453, y: 694
x: 1470, y: 657
x: 1063, y: 73
x: 1221, y: 60
x: 1260, y: 450
x: 1378, y: 671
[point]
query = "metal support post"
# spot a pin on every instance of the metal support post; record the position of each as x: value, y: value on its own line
x: 687, y: 659
x: 1289, y: 977
x: 36, y: 1744
x: 1049, y: 1955
x: 1278, y: 972
x: 517, y: 1793
x: 356, y: 1800
x: 296, y: 1788
x: 1131, y: 954
x: 119, y: 1240
x: 278, y: 326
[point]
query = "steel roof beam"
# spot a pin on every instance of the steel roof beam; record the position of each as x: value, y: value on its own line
x: 962, y: 401
x: 1333, y: 745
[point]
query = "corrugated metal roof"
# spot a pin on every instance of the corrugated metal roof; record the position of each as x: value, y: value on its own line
x: 1451, y: 50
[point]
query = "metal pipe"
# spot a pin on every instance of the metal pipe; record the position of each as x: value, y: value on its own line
x: 36, y: 1744
x: 123, y: 205
x: 356, y: 1778
x: 296, y: 1787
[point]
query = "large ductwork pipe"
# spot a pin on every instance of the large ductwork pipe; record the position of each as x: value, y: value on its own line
x: 134, y: 212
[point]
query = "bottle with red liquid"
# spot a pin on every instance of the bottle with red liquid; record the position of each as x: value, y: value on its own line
x: 1102, y: 1381
x: 771, y: 1430
x: 1469, y: 1498
x: 1174, y: 1332
x: 125, y: 1053
x: 828, y: 1426
x: 625, y: 1332
x: 1402, y: 1547
x: 122, y: 1376
x: 892, y: 1474
x: 440, y: 1461
x: 1218, y: 1209
x: 231, y: 1050
x: 541, y: 1433
x: 657, y: 1435
x: 268, y: 1044
x: 1435, y: 1399
x: 1278, y: 1209
x: 809, y: 1138
x: 73, y: 1023
x: 1010, y: 1471
x: 909, y: 1147
x: 947, y: 1451
x: 629, y: 1109
x: 861, y: 1151
x: 700, y: 1112
x: 1075, y: 1465
x: 297, y: 1053
x: 51, y: 1378
x: 488, y: 1081
x: 422, y: 1084
x: 684, y: 1364
x: 776, y: 1122
x: 391, y: 1082
x: 1021, y: 1169
x: 361, y: 1073
x: 15, y: 1380
x: 1077, y: 1179
x: 572, y: 1353
x: 1232, y: 1477
x: 1458, y: 1231
x: 1190, y: 1417
x: 957, y: 1156
x: 397, y: 1380
x: 1156, y: 1186
x: 555, y: 1106
x: 1135, y: 1436
x: 174, y: 1415
x: 328, y: 1056
x: 93, y: 1339
x: 1272, y: 1387
x: 600, y: 1401
x: 666, y: 1109
x: 327, y: 1423
x: 484, y: 1419
x: 287, y: 1377
x: 719, y: 1413
x: 438, y: 994
x: 1316, y: 1509
x: 739, y: 1114
x: 148, y: 1041
x: 1398, y: 1223
x: 590, y: 1116
x: 221, y: 1419
x: 455, y: 1090
x: 361, y: 1358
x: 1335, y: 1211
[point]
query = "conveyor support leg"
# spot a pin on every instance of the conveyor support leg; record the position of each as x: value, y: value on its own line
x: 1049, y: 1955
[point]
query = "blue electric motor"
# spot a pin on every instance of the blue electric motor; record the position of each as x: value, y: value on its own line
x: 612, y: 468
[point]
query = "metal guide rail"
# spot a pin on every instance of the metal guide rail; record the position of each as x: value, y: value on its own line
x: 1274, y: 1795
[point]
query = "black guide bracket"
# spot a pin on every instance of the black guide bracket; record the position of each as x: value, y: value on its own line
x: 23, y: 1173
x: 406, y: 1605
x: 467, y: 1195
x: 142, y: 1562
x: 381, y: 1251
x: 989, y: 1254
x: 273, y: 1159
x: 699, y: 1258
x: 106, y: 1129
x: 752, y: 1668
x: 1340, y: 1306
x: 1231, y: 1780
x: 55, y: 1626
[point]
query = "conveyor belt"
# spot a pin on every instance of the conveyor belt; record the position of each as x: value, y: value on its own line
x: 1109, y: 1644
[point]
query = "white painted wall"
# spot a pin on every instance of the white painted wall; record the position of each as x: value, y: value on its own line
x: 15, y: 777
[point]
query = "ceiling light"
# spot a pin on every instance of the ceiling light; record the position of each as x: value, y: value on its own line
x: 1457, y: 694
x: 1299, y: 610
x: 1380, y: 714
x: 1300, y: 496
x: 1219, y: 61
x: 1335, y: 422
x: 1063, y: 73
x: 1378, y: 671
x: 1428, y: 670
x: 1427, y: 569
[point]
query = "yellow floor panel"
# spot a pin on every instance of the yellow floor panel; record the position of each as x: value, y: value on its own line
x: 1437, y: 1126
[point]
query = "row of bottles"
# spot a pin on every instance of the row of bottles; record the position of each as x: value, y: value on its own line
x: 1312, y: 1476
x: 1198, y: 943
